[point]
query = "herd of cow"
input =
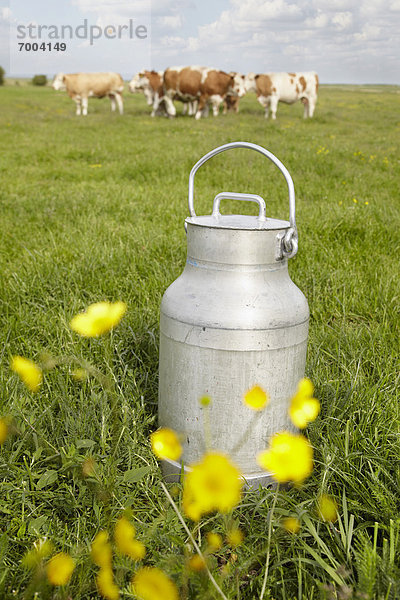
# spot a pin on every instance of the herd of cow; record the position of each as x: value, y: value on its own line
x: 197, y: 88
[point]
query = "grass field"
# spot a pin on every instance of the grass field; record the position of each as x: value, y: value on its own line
x: 93, y: 208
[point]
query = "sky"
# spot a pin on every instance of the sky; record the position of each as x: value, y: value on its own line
x: 344, y: 41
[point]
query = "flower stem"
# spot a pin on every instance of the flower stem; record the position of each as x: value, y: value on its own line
x: 271, y: 514
x: 196, y: 547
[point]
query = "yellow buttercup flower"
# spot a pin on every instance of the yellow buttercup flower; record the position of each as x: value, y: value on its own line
x: 59, y: 569
x: 196, y: 563
x: 101, y: 551
x: 165, y: 444
x: 28, y: 371
x: 213, y: 484
x: 124, y: 534
x: 256, y: 398
x: 304, y: 408
x: 235, y: 537
x: 205, y: 401
x: 214, y: 541
x: 151, y: 583
x: 99, y: 318
x: 3, y: 430
x: 288, y: 458
x: 327, y: 508
x: 291, y: 524
x: 41, y: 549
x: 105, y: 584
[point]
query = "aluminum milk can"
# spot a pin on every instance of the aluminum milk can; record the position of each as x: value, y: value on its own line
x: 232, y: 320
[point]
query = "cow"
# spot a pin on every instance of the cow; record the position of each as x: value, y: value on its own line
x: 81, y: 86
x: 151, y: 83
x: 231, y: 103
x: 148, y: 82
x: 272, y: 88
x: 200, y: 84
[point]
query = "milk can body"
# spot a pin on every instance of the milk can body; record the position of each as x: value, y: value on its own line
x: 232, y: 320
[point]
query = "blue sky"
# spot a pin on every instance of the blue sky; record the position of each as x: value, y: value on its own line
x: 345, y: 41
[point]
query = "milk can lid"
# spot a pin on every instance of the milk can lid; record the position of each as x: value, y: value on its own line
x: 246, y: 222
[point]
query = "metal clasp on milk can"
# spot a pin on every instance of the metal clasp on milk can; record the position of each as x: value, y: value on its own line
x: 232, y: 320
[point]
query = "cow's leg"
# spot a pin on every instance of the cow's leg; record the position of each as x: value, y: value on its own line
x: 120, y: 103
x: 84, y: 105
x: 311, y: 106
x: 77, y: 101
x: 169, y: 106
x: 225, y: 109
x: 113, y: 103
x: 202, y: 103
x: 156, y: 104
x: 264, y: 101
x: 185, y: 108
x: 193, y: 107
x: 216, y: 100
x: 274, y: 105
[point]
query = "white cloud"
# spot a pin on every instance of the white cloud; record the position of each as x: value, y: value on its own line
x: 173, y: 41
x: 6, y: 13
x: 170, y: 21
x: 342, y: 20
x: 261, y: 10
x: 318, y: 21
x: 369, y: 32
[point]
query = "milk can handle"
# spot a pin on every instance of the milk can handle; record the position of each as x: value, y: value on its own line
x: 290, y: 240
x: 235, y: 196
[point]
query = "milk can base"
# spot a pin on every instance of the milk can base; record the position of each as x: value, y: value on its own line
x: 172, y: 472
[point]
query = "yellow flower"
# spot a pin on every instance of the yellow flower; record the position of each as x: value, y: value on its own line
x: 106, y: 585
x: 214, y: 484
x: 165, y: 444
x: 151, y: 583
x: 3, y: 430
x: 101, y: 551
x: 214, y: 541
x: 60, y: 568
x: 196, y: 563
x: 327, y: 508
x: 291, y: 524
x: 205, y: 401
x: 288, y: 458
x: 256, y: 398
x: 304, y: 408
x: 99, y: 318
x: 29, y: 372
x: 124, y: 534
x: 235, y: 537
x: 41, y: 549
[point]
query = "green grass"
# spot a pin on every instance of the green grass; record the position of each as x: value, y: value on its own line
x: 74, y: 232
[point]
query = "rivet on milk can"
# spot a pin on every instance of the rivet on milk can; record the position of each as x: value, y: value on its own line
x: 233, y: 319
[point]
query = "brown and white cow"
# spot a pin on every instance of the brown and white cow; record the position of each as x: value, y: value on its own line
x: 272, y: 88
x: 148, y: 82
x: 151, y: 83
x: 81, y: 86
x: 231, y: 103
x: 202, y: 84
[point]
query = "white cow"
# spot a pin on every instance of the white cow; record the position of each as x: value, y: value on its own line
x: 81, y: 86
x: 272, y: 88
